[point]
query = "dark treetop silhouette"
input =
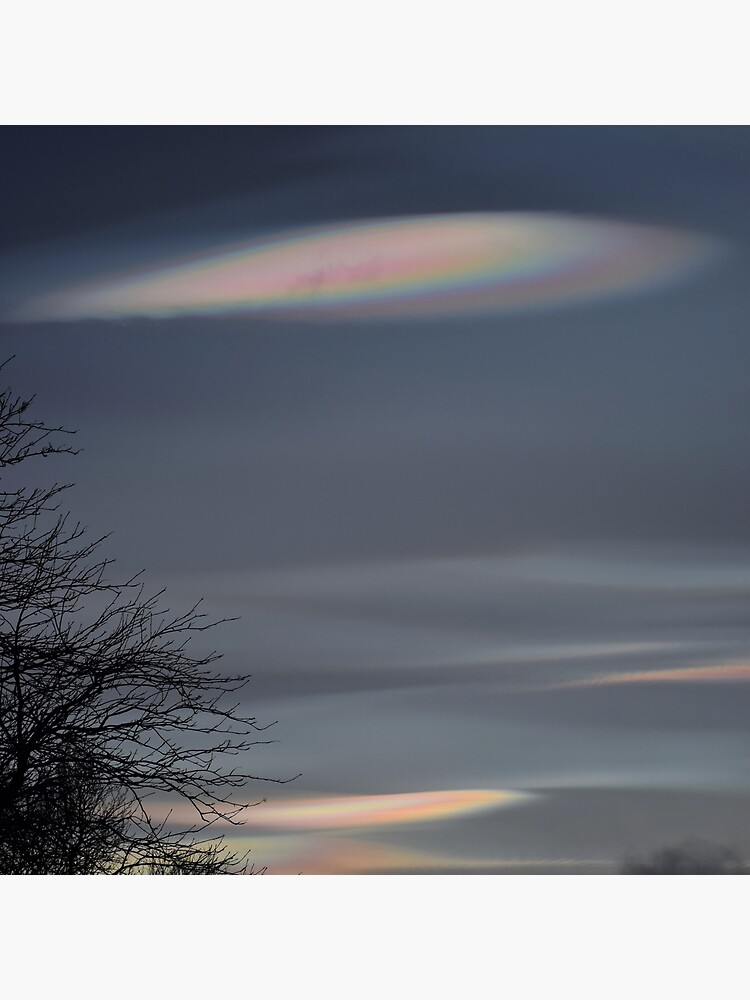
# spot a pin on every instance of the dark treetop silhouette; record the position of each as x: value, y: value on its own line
x: 101, y: 704
x: 691, y: 857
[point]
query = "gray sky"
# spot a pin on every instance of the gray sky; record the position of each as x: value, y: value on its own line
x: 496, y: 552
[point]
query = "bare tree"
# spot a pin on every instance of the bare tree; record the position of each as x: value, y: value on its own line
x: 102, y: 705
x: 64, y: 824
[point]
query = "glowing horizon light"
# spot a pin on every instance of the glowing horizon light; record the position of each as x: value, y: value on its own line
x: 350, y: 811
x: 389, y: 268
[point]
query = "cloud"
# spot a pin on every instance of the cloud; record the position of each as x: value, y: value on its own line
x: 344, y: 812
x: 731, y: 673
x: 521, y: 619
x: 312, y: 855
x: 430, y: 266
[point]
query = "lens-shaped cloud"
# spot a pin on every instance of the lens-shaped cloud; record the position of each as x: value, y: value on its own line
x: 423, y: 266
x: 348, y: 812
x: 342, y: 812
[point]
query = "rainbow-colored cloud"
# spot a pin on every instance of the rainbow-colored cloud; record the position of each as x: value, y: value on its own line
x: 422, y: 266
x: 308, y: 854
x: 345, y: 812
x: 706, y: 674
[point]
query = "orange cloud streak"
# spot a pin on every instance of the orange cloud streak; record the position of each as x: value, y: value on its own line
x: 727, y: 672
x: 342, y: 812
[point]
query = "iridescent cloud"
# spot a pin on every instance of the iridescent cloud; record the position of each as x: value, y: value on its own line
x: 346, y: 812
x: 313, y: 855
x: 727, y: 672
x: 421, y: 266
x: 353, y: 811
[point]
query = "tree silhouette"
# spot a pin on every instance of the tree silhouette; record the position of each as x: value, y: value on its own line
x: 102, y: 705
x: 62, y: 825
x: 691, y: 857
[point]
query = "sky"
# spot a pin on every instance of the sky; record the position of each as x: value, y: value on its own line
x: 454, y: 419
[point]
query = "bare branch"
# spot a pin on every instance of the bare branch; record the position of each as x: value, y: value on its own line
x: 102, y: 704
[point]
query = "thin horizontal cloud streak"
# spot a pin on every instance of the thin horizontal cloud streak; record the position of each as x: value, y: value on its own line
x: 522, y: 619
x: 339, y: 856
x: 342, y: 812
x: 477, y: 736
x: 723, y: 673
